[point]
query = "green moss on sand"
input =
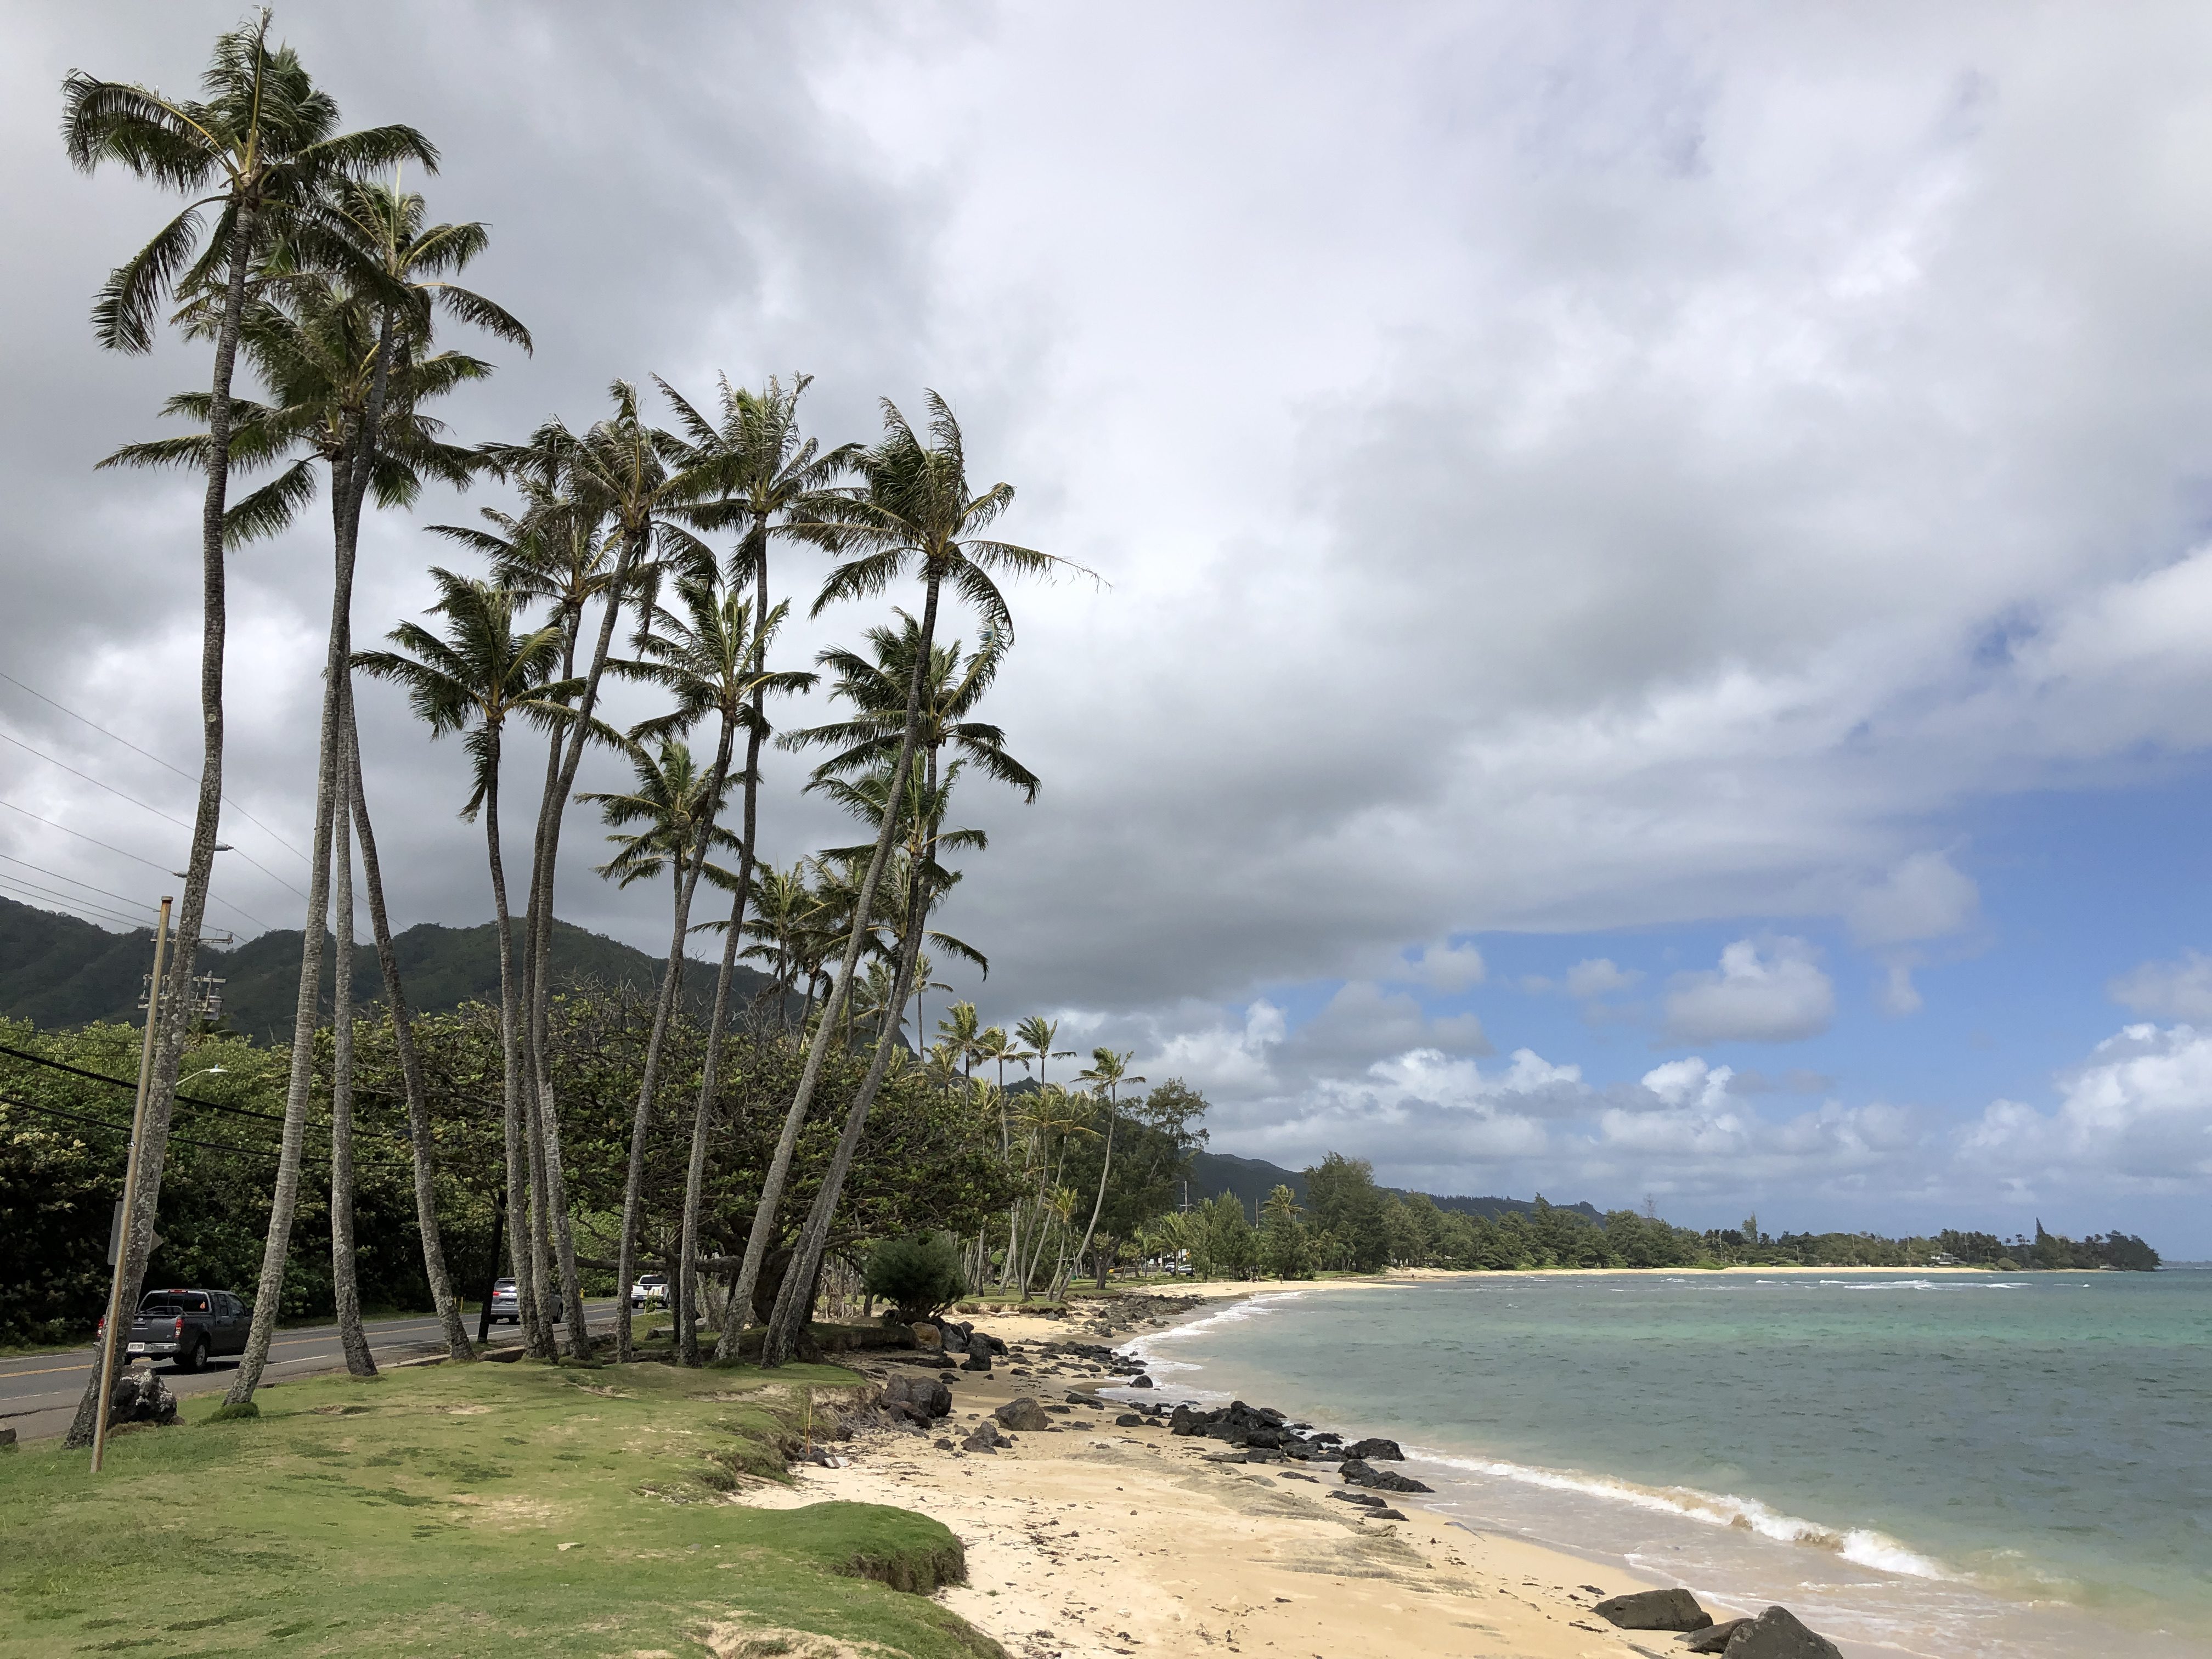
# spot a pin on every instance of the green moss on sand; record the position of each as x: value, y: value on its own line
x: 469, y: 1508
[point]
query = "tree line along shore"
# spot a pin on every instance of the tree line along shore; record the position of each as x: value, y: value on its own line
x: 933, y: 1164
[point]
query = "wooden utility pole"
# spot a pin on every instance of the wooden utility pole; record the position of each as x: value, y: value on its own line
x: 115, y: 1332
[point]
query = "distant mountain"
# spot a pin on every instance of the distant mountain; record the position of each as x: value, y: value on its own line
x: 1252, y: 1179
x: 57, y: 971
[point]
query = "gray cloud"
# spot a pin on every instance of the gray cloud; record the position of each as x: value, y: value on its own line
x: 1551, y: 476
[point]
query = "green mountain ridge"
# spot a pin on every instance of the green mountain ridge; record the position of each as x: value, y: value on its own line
x: 1252, y: 1179
x: 58, y: 971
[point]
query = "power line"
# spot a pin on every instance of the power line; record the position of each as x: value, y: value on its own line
x: 58, y: 876
x: 95, y: 782
x: 133, y: 857
x: 211, y: 1146
x: 188, y: 777
x: 43, y: 895
x: 188, y: 1100
x: 142, y: 806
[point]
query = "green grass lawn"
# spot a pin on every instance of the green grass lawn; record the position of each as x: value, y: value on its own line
x: 496, y: 1509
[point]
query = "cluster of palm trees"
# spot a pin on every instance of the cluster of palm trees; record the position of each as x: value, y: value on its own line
x: 1038, y: 1128
x: 301, y: 253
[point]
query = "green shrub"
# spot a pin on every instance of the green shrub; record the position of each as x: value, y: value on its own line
x: 917, y: 1276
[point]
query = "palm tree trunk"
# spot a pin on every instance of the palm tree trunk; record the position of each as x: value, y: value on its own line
x: 545, y: 1336
x: 779, y: 1170
x: 544, y: 865
x: 176, y: 1020
x: 1099, y: 1202
x: 513, y: 1122
x: 794, y: 1302
x: 345, y: 1285
x: 733, y: 1317
x: 307, y: 1007
x: 457, y: 1344
x: 663, y: 1010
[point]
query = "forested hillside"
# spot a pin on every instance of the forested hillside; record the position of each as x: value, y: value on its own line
x: 1252, y: 1179
x: 57, y: 971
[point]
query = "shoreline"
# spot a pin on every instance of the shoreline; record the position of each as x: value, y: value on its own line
x: 1100, y: 1538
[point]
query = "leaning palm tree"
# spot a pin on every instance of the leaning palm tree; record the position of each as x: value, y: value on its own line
x: 755, y: 471
x: 628, y: 474
x: 1111, y: 1072
x: 557, y: 551
x: 707, y: 658
x: 262, y: 147
x: 915, y: 515
x: 473, y: 682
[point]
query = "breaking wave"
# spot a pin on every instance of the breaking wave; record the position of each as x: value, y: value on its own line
x: 1860, y: 1545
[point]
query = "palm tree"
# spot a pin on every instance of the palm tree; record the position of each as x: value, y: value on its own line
x: 626, y: 473
x: 555, y: 551
x: 1038, y: 1034
x: 707, y: 659
x: 262, y: 147
x: 668, y: 807
x: 784, y: 922
x: 1109, y: 1071
x: 963, y: 1029
x: 476, y: 680
x: 348, y: 371
x: 754, y: 471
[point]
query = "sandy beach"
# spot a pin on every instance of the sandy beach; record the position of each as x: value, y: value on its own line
x: 1094, y: 1539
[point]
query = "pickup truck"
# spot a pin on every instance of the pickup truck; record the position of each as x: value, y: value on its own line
x: 188, y: 1326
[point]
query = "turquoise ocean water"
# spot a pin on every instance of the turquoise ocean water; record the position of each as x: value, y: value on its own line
x: 1965, y: 1466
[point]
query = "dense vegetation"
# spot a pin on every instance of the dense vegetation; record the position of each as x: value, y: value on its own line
x: 1348, y: 1222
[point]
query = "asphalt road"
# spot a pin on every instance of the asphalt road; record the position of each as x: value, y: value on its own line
x: 38, y: 1392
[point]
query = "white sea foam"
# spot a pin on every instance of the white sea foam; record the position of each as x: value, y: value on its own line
x: 1867, y: 1547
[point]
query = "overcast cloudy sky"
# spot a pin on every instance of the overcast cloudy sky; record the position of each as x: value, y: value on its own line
x: 1660, y: 607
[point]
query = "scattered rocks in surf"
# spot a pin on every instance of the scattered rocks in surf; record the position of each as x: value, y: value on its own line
x: 1361, y: 1474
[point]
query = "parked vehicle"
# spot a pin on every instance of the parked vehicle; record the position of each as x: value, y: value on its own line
x: 188, y: 1327
x: 507, y: 1305
x: 650, y: 1287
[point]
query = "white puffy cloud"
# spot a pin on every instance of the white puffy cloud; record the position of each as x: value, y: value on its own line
x: 1926, y: 897
x: 2175, y: 990
x: 2137, y: 1115
x: 1680, y: 1082
x: 1778, y: 996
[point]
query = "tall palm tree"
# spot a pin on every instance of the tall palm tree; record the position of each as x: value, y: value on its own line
x: 556, y: 551
x: 1037, y: 1035
x: 473, y: 682
x: 627, y: 473
x: 348, y: 369
x: 262, y: 147
x: 1111, y: 1072
x: 754, y: 471
x: 709, y: 659
x: 914, y: 515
